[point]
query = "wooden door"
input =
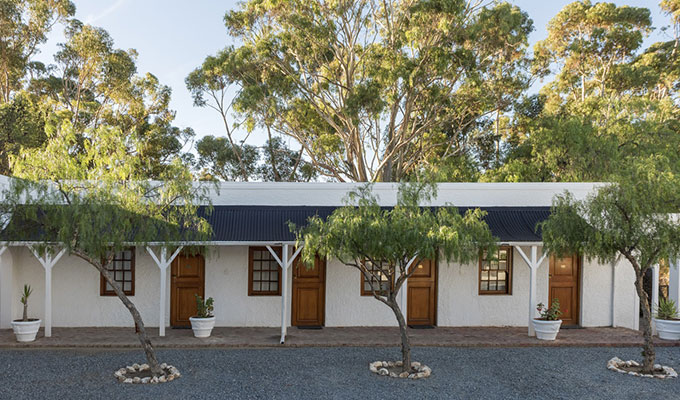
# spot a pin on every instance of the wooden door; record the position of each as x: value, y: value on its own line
x: 421, y: 289
x: 187, y: 280
x: 565, y: 275
x: 309, y: 294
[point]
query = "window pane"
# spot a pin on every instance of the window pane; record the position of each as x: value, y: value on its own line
x: 502, y: 254
x: 256, y: 286
x: 109, y: 287
x: 492, y: 285
x: 502, y: 265
x: 485, y: 265
x: 274, y: 275
x: 485, y: 285
x: 127, y: 265
x: 501, y: 286
x: 501, y: 276
x: 492, y: 275
x: 128, y: 275
x: 127, y: 286
x: 256, y: 275
x: 273, y: 286
x: 485, y: 275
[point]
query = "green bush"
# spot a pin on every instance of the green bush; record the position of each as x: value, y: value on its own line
x: 205, y: 308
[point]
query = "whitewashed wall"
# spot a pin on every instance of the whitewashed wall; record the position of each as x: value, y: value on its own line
x: 77, y: 303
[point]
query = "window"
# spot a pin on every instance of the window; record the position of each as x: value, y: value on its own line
x: 495, y: 272
x: 384, y: 283
x: 122, y: 268
x: 264, y: 273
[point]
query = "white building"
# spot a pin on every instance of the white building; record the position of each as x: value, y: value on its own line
x: 250, y: 288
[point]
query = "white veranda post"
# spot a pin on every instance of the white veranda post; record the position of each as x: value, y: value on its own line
x: 403, y: 294
x: 655, y: 293
x: 47, y: 259
x: 163, y: 263
x: 674, y: 280
x: 533, y: 265
x: 284, y: 262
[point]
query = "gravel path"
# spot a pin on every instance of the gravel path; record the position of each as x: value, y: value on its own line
x: 336, y: 373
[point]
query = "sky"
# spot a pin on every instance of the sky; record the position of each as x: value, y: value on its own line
x: 173, y: 37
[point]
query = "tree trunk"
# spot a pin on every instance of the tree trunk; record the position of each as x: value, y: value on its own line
x: 648, y: 352
x: 139, y: 324
x: 405, y: 342
x: 25, y: 316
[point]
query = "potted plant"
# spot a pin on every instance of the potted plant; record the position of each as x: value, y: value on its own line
x: 547, y: 326
x: 204, y: 321
x: 667, y: 321
x: 26, y: 329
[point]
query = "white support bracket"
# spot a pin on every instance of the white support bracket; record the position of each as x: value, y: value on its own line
x: 285, y: 262
x: 163, y: 263
x: 533, y: 265
x: 48, y: 259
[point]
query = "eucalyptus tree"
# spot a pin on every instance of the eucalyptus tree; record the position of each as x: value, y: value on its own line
x: 384, y: 244
x: 95, y: 84
x: 98, y: 200
x: 371, y: 89
x: 611, y: 100
x: 24, y: 25
x: 635, y: 218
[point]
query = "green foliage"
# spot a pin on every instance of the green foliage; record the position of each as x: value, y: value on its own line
x: 204, y: 307
x: 363, y: 231
x: 552, y: 313
x: 629, y: 217
x: 371, y: 89
x: 666, y: 310
x: 24, y: 25
x: 95, y: 198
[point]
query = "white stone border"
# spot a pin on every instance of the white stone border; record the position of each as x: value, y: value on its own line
x: 660, y: 371
x: 171, y: 373
x: 380, y: 368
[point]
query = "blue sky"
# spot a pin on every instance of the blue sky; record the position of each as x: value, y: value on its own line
x: 173, y: 37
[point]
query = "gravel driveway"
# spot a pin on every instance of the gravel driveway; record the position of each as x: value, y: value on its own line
x: 336, y: 373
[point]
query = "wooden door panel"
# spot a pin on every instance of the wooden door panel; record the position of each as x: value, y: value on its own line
x: 308, y: 305
x: 419, y: 310
x: 309, y: 297
x: 187, y: 280
x: 423, y: 270
x: 421, y: 292
x: 564, y: 285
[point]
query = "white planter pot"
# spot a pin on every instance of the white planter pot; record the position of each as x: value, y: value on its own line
x: 668, y: 329
x: 202, y: 326
x: 25, y: 331
x: 546, y: 330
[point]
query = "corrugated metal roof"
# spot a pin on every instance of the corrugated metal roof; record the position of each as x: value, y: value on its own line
x: 270, y: 223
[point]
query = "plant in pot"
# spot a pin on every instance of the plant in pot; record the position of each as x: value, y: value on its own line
x: 26, y: 329
x: 548, y: 324
x: 667, y: 321
x: 204, y: 321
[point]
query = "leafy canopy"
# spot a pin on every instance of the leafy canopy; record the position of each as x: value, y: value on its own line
x: 363, y: 231
x: 93, y: 196
x: 632, y: 217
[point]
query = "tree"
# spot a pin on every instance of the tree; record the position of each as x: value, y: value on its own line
x: 94, y: 84
x: 611, y: 101
x: 22, y: 124
x: 24, y: 25
x: 384, y: 243
x: 371, y: 89
x: 99, y: 200
x: 630, y: 218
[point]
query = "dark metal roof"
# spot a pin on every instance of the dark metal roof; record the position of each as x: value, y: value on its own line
x: 270, y: 223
